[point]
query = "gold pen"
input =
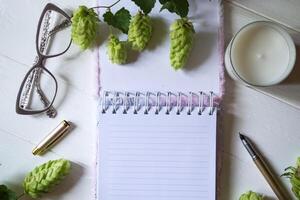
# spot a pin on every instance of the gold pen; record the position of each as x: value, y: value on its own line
x: 274, y: 184
x: 52, y: 138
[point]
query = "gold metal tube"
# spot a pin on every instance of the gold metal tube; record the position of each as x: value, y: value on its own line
x: 52, y: 138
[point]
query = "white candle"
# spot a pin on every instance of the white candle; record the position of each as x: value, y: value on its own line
x: 260, y: 54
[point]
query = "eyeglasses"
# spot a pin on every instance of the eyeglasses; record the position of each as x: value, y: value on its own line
x: 38, y: 90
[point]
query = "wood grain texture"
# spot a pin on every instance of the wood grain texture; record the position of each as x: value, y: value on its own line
x: 271, y: 124
x: 289, y: 90
x: 19, y: 134
x: 285, y: 12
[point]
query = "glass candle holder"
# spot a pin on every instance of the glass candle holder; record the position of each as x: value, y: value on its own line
x: 260, y: 54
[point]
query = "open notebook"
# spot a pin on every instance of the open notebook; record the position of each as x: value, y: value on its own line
x: 157, y: 126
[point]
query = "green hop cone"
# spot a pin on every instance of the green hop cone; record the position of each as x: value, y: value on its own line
x: 182, y: 32
x: 84, y: 27
x: 251, y: 196
x: 140, y: 31
x: 116, y: 50
x: 293, y: 173
x: 44, y: 177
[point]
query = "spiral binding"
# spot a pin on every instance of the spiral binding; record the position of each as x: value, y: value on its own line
x: 156, y: 102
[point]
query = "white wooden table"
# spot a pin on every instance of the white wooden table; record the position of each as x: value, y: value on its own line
x: 273, y: 125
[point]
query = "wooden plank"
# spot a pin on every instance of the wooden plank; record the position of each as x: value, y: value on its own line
x: 19, y: 134
x: 34, y: 128
x: 18, y: 21
x: 270, y: 124
x: 284, y: 12
x: 289, y: 90
x: 17, y: 161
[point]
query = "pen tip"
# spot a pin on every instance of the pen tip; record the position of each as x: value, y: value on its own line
x: 242, y: 137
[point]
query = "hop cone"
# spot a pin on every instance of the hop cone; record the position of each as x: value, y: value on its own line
x: 251, y: 196
x: 116, y: 50
x: 44, y: 177
x: 140, y: 31
x: 293, y: 173
x: 84, y: 27
x: 182, y: 32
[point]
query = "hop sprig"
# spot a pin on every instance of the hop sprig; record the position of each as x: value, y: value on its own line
x: 293, y: 173
x: 181, y: 35
x: 44, y: 177
x: 6, y: 193
x: 251, y: 196
x: 84, y: 27
x: 140, y: 31
x: 116, y: 50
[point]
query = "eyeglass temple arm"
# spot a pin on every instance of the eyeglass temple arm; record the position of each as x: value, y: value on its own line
x: 27, y: 94
x: 51, y: 112
x: 66, y: 23
x: 34, y: 77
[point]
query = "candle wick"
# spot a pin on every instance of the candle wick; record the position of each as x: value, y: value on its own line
x: 260, y: 56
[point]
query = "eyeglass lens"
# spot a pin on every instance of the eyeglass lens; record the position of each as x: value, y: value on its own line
x: 58, y: 31
x: 40, y: 93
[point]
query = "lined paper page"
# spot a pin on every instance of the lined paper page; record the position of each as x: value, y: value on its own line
x: 157, y: 157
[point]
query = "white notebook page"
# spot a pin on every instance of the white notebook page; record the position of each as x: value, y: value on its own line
x: 151, y: 69
x: 157, y: 157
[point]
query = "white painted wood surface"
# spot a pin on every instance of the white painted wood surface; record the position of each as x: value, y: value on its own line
x: 19, y: 134
x: 243, y: 12
x: 285, y: 12
x: 273, y: 125
x: 270, y: 123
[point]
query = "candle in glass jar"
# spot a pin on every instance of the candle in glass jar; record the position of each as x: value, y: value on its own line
x: 261, y: 54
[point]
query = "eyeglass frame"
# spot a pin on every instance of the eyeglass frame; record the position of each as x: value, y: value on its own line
x: 40, y: 62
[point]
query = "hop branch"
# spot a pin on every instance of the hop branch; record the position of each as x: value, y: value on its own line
x: 139, y: 29
x: 40, y: 180
x: 293, y: 174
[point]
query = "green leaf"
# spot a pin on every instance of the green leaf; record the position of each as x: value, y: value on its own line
x: 109, y: 18
x: 119, y: 20
x: 145, y: 5
x: 163, y: 1
x: 180, y: 7
x: 7, y: 194
x: 170, y: 6
x: 293, y: 174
